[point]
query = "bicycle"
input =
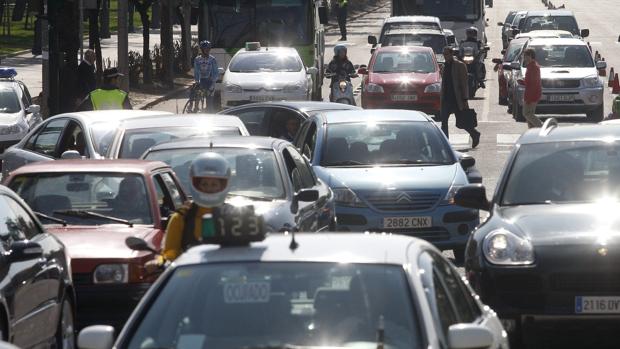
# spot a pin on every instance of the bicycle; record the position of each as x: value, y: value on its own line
x: 197, y: 102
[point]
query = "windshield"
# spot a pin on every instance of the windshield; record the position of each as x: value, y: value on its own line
x: 103, y: 135
x: 255, y: 172
x: 272, y: 22
x: 564, y: 172
x: 404, y: 62
x: 510, y: 17
x: 435, y: 41
x: 385, y: 143
x: 117, y: 195
x: 264, y: 62
x: 136, y: 142
x: 569, y: 56
x: 567, y: 23
x: 9, y: 102
x: 275, y: 305
x: 514, y: 49
x: 453, y: 10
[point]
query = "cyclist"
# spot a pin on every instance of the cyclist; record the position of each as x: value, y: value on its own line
x: 205, y: 73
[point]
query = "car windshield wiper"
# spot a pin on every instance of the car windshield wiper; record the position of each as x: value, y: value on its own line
x: 346, y: 163
x: 50, y: 218
x: 89, y: 214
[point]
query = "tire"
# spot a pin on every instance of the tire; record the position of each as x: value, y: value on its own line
x: 189, y: 107
x: 517, y: 112
x: 65, y: 334
x: 596, y: 115
x: 459, y: 255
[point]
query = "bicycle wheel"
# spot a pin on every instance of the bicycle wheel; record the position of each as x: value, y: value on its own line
x: 189, y: 107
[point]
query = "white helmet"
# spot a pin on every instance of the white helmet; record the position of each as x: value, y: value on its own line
x: 212, y: 167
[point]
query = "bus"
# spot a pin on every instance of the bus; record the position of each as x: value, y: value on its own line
x: 229, y: 24
x: 456, y: 15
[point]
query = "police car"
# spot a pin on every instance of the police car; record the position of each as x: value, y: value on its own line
x: 260, y: 74
x: 17, y: 113
x: 305, y: 291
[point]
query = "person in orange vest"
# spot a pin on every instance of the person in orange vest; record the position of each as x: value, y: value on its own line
x: 109, y: 96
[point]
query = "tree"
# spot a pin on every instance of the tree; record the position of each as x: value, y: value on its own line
x: 167, y: 45
x: 94, y: 39
x: 184, y: 13
x: 142, y: 6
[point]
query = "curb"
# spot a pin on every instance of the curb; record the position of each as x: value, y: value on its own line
x: 18, y: 53
x: 176, y: 91
x: 357, y: 15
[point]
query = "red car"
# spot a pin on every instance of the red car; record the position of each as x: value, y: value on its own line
x: 404, y: 77
x: 510, y: 54
x: 92, y: 206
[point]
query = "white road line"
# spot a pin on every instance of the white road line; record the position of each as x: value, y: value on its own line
x: 459, y: 139
x: 485, y: 105
x: 507, y: 138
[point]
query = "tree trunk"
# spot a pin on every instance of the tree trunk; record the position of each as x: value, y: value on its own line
x: 147, y: 67
x: 186, y: 34
x: 167, y: 45
x: 95, y: 40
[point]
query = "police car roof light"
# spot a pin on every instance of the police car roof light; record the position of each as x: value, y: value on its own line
x: 252, y: 46
x: 7, y: 73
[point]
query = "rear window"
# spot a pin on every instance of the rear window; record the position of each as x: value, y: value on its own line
x: 265, y: 62
x: 404, y: 62
x: 567, y: 23
x: 435, y: 41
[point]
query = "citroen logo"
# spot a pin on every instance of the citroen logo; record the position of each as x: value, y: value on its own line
x: 403, y: 197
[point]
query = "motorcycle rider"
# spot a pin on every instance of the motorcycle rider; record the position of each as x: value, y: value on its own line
x: 472, y: 37
x: 340, y: 67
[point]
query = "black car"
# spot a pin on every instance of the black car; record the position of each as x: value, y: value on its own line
x: 36, y: 291
x: 548, y: 256
x: 270, y: 118
x: 506, y: 27
x: 268, y: 173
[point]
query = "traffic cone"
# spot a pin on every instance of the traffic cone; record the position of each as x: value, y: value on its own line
x: 610, y: 81
x: 616, y: 88
x: 602, y: 72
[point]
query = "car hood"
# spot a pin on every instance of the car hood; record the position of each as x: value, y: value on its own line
x: 8, y: 119
x: 264, y: 80
x: 99, y: 242
x: 566, y: 73
x: 393, y: 177
x: 398, y: 78
x: 273, y: 211
x: 555, y: 224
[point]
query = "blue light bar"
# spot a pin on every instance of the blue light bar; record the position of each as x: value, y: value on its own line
x: 7, y: 73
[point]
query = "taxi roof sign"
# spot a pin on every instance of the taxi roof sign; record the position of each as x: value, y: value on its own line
x: 252, y: 46
x: 7, y: 73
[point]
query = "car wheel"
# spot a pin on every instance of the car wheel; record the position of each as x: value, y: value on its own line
x: 459, y: 255
x: 65, y: 333
x: 517, y: 112
x: 596, y: 115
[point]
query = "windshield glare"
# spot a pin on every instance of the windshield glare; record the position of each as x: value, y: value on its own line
x: 136, y: 142
x: 386, y: 143
x: 564, y: 172
x: 435, y: 41
x: 255, y: 172
x: 567, y: 23
x: 260, y: 305
x: 264, y: 62
x: 122, y: 196
x: 9, y: 102
x: 568, y: 56
x: 404, y: 62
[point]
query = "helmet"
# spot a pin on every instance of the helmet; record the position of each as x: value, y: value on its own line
x: 211, y: 166
x: 339, y: 48
x: 471, y: 32
x: 205, y: 44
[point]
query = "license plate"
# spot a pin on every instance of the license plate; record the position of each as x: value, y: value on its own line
x: 262, y: 98
x: 407, y: 222
x: 597, y: 305
x: 561, y: 98
x: 405, y: 97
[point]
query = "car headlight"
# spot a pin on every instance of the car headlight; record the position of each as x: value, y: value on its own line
x: 433, y: 88
x: 346, y: 197
x: 293, y: 88
x: 468, y: 59
x: 449, y: 198
x: 374, y: 88
x: 111, y: 274
x: 591, y: 81
x: 232, y: 88
x: 505, y: 248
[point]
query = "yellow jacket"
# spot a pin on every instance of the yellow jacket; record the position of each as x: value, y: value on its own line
x: 173, y: 240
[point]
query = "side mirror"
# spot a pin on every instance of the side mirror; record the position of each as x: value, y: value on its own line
x: 585, y: 33
x: 96, y: 337
x: 515, y: 32
x: 467, y: 161
x: 24, y: 250
x: 500, y: 24
x: 451, y: 40
x: 469, y: 336
x: 503, y: 52
x: 71, y: 154
x: 138, y: 244
x: 601, y: 65
x: 362, y: 71
x: 312, y: 71
x: 307, y: 195
x: 515, y: 66
x: 372, y: 40
x: 497, y: 60
x: 323, y: 18
x: 34, y: 109
x: 472, y: 196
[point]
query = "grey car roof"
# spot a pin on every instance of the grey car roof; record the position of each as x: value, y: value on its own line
x: 372, y: 248
x: 412, y: 19
x: 555, y: 41
x: 598, y: 132
x: 380, y: 115
x: 550, y: 13
x: 397, y: 31
x: 221, y: 142
x: 304, y: 106
x: 207, y: 120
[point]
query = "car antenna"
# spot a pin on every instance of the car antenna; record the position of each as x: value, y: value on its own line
x: 293, y: 245
x: 211, y: 145
x: 381, y: 333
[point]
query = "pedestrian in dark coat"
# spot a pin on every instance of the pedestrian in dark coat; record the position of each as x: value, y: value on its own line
x: 87, y: 79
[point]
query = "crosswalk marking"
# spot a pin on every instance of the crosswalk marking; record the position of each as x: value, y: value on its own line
x: 459, y: 139
x: 507, y: 138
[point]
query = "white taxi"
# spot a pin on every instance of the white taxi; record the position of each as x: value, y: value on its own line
x: 260, y: 74
x: 348, y: 290
x: 17, y: 113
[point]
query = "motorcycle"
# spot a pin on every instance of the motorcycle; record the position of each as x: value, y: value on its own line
x: 342, y: 89
x: 473, y: 57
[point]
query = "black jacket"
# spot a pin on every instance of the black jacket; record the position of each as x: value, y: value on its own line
x: 87, y: 79
x: 341, y: 69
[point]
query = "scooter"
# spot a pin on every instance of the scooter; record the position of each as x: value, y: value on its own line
x: 342, y: 89
x: 473, y: 57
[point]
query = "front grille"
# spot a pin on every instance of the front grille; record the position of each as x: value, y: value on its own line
x: 560, y: 83
x: 518, y: 283
x: 82, y: 279
x: 428, y: 234
x: 403, y: 200
x: 582, y: 282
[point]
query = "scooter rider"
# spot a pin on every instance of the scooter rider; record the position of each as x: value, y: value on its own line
x: 340, y: 66
x: 472, y: 37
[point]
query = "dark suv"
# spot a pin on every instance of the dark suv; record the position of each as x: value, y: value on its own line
x: 547, y: 257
